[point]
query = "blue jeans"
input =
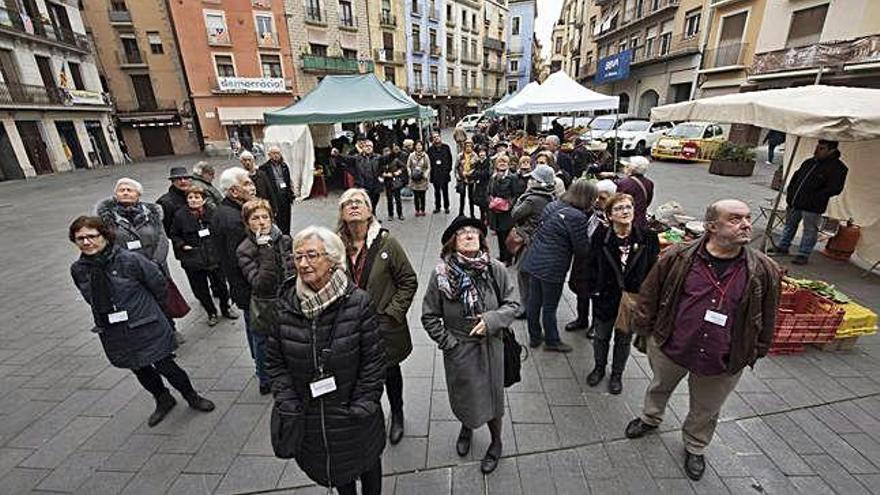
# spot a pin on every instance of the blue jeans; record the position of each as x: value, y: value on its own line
x: 811, y: 230
x: 257, y: 345
x: 543, y: 301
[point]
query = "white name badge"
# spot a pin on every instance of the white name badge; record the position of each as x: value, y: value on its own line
x: 132, y: 245
x: 715, y: 318
x: 438, y: 162
x: 204, y: 233
x: 323, y: 386
x: 282, y: 185
x: 117, y: 317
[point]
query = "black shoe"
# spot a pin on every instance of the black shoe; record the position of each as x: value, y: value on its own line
x: 591, y: 333
x: 199, y: 403
x: 265, y: 388
x: 575, y: 326
x: 395, y: 433
x: 229, y: 313
x: 637, y: 428
x: 615, y: 384
x: 212, y: 320
x: 436, y: 210
x: 775, y: 251
x: 463, y: 444
x: 164, y: 404
x: 400, y: 217
x: 560, y: 347
x: 446, y: 211
x: 490, y: 460
x: 596, y: 376
x: 534, y: 344
x: 799, y: 260
x: 694, y: 465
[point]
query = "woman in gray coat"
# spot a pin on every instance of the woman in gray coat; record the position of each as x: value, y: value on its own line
x: 138, y: 225
x: 469, y: 300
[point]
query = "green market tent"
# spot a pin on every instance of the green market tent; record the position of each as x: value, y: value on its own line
x: 343, y: 99
x: 426, y: 113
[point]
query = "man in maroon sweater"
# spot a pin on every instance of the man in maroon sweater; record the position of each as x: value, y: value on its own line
x: 708, y: 309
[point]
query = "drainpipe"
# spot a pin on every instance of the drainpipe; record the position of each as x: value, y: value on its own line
x: 703, y: 41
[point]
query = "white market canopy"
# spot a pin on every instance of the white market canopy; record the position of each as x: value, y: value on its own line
x: 836, y: 113
x: 559, y: 93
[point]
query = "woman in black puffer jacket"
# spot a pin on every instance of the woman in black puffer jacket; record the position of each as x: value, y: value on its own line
x: 327, y: 328
x: 194, y: 247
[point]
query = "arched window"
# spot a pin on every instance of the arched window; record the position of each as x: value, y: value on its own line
x: 647, y: 101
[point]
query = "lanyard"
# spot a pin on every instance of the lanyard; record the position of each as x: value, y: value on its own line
x: 709, y: 275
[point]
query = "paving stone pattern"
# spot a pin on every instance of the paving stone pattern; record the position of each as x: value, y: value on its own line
x: 69, y: 422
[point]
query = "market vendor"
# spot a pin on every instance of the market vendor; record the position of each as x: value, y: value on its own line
x: 818, y: 179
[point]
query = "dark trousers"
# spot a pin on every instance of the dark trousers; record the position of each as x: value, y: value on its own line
x: 257, y: 344
x: 198, y: 282
x: 583, y: 308
x: 419, y: 200
x: 151, y: 377
x: 394, y: 388
x: 441, y: 189
x: 602, y: 342
x: 543, y: 301
x: 374, y: 199
x: 392, y: 195
x: 771, y: 150
x: 371, y: 482
x: 503, y: 254
x: 466, y: 197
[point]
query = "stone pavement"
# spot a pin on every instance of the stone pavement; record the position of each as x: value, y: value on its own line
x: 69, y: 422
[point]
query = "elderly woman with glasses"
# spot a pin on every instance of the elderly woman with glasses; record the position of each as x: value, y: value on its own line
x: 326, y: 360
x: 469, y: 300
x: 378, y: 264
x: 126, y: 293
x: 621, y: 255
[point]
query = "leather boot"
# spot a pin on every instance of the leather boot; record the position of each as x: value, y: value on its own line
x: 199, y: 403
x: 164, y: 404
x: 395, y: 433
x: 463, y: 444
x: 615, y: 384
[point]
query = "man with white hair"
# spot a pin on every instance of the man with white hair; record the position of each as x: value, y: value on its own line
x: 228, y: 230
x: 561, y: 158
x: 273, y: 184
x: 247, y: 161
x: 203, y: 176
x: 638, y: 186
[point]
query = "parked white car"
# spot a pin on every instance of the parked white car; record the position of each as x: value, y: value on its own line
x: 637, y: 136
x: 469, y: 122
x: 602, y: 127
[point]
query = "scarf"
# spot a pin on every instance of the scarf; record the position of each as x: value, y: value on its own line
x: 129, y: 212
x: 102, y: 303
x: 456, y: 278
x: 312, y: 302
x: 197, y: 213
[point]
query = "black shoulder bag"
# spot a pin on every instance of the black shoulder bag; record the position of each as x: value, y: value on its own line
x: 513, y: 350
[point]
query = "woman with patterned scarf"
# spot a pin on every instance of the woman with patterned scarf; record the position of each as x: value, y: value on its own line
x: 470, y: 298
x: 326, y: 362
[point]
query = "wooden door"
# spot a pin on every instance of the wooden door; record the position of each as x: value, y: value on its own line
x: 30, y: 134
x: 156, y: 141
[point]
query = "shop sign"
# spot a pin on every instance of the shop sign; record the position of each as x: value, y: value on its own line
x: 251, y: 84
x: 613, y: 68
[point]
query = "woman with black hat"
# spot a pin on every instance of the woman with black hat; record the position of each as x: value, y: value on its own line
x: 470, y: 298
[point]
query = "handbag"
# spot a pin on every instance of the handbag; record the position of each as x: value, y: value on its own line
x: 625, y: 312
x: 175, y: 304
x: 514, y: 241
x: 499, y: 205
x: 513, y: 350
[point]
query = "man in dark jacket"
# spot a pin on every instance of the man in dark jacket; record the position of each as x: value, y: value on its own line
x: 707, y: 310
x: 203, y: 176
x: 228, y: 231
x: 563, y: 161
x: 175, y: 198
x: 816, y: 181
x: 366, y: 167
x: 272, y: 182
x: 441, y: 171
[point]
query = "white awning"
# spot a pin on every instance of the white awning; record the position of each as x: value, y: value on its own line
x: 242, y: 115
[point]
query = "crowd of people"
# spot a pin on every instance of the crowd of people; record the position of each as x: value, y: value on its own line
x: 325, y: 311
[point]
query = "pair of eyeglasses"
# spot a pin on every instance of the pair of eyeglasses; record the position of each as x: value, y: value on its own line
x: 467, y: 231
x: 310, y: 256
x: 81, y: 239
x: 354, y: 202
x: 622, y: 208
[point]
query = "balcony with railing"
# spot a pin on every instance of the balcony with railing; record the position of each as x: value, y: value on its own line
x: 387, y: 19
x: 149, y: 106
x: 28, y: 94
x: 347, y: 21
x: 436, y: 51
x: 450, y: 22
x: 677, y: 46
x: 315, y: 15
x: 469, y: 57
x: 417, y: 46
x: 334, y: 65
x: 451, y: 54
x: 836, y: 53
x: 421, y: 88
x: 586, y: 70
x: 632, y: 15
x: 268, y: 39
x: 433, y: 14
x: 129, y: 59
x: 13, y: 22
x: 493, y: 66
x: 389, y: 56
x: 731, y: 55
x: 119, y: 17
x: 493, y: 44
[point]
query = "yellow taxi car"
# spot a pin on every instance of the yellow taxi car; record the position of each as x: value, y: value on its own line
x: 689, y: 141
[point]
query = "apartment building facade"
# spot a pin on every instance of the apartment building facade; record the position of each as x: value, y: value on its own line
x: 494, y: 60
x: 139, y: 62
x: 647, y: 51
x: 387, y: 23
x: 54, y: 116
x: 423, y: 44
x: 558, y: 50
x: 520, y: 43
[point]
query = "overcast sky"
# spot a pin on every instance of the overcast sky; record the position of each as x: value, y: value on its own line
x: 548, y: 13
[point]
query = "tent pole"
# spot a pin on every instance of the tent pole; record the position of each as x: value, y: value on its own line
x: 771, y: 220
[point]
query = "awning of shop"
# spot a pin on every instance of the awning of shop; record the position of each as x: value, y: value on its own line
x: 242, y: 115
